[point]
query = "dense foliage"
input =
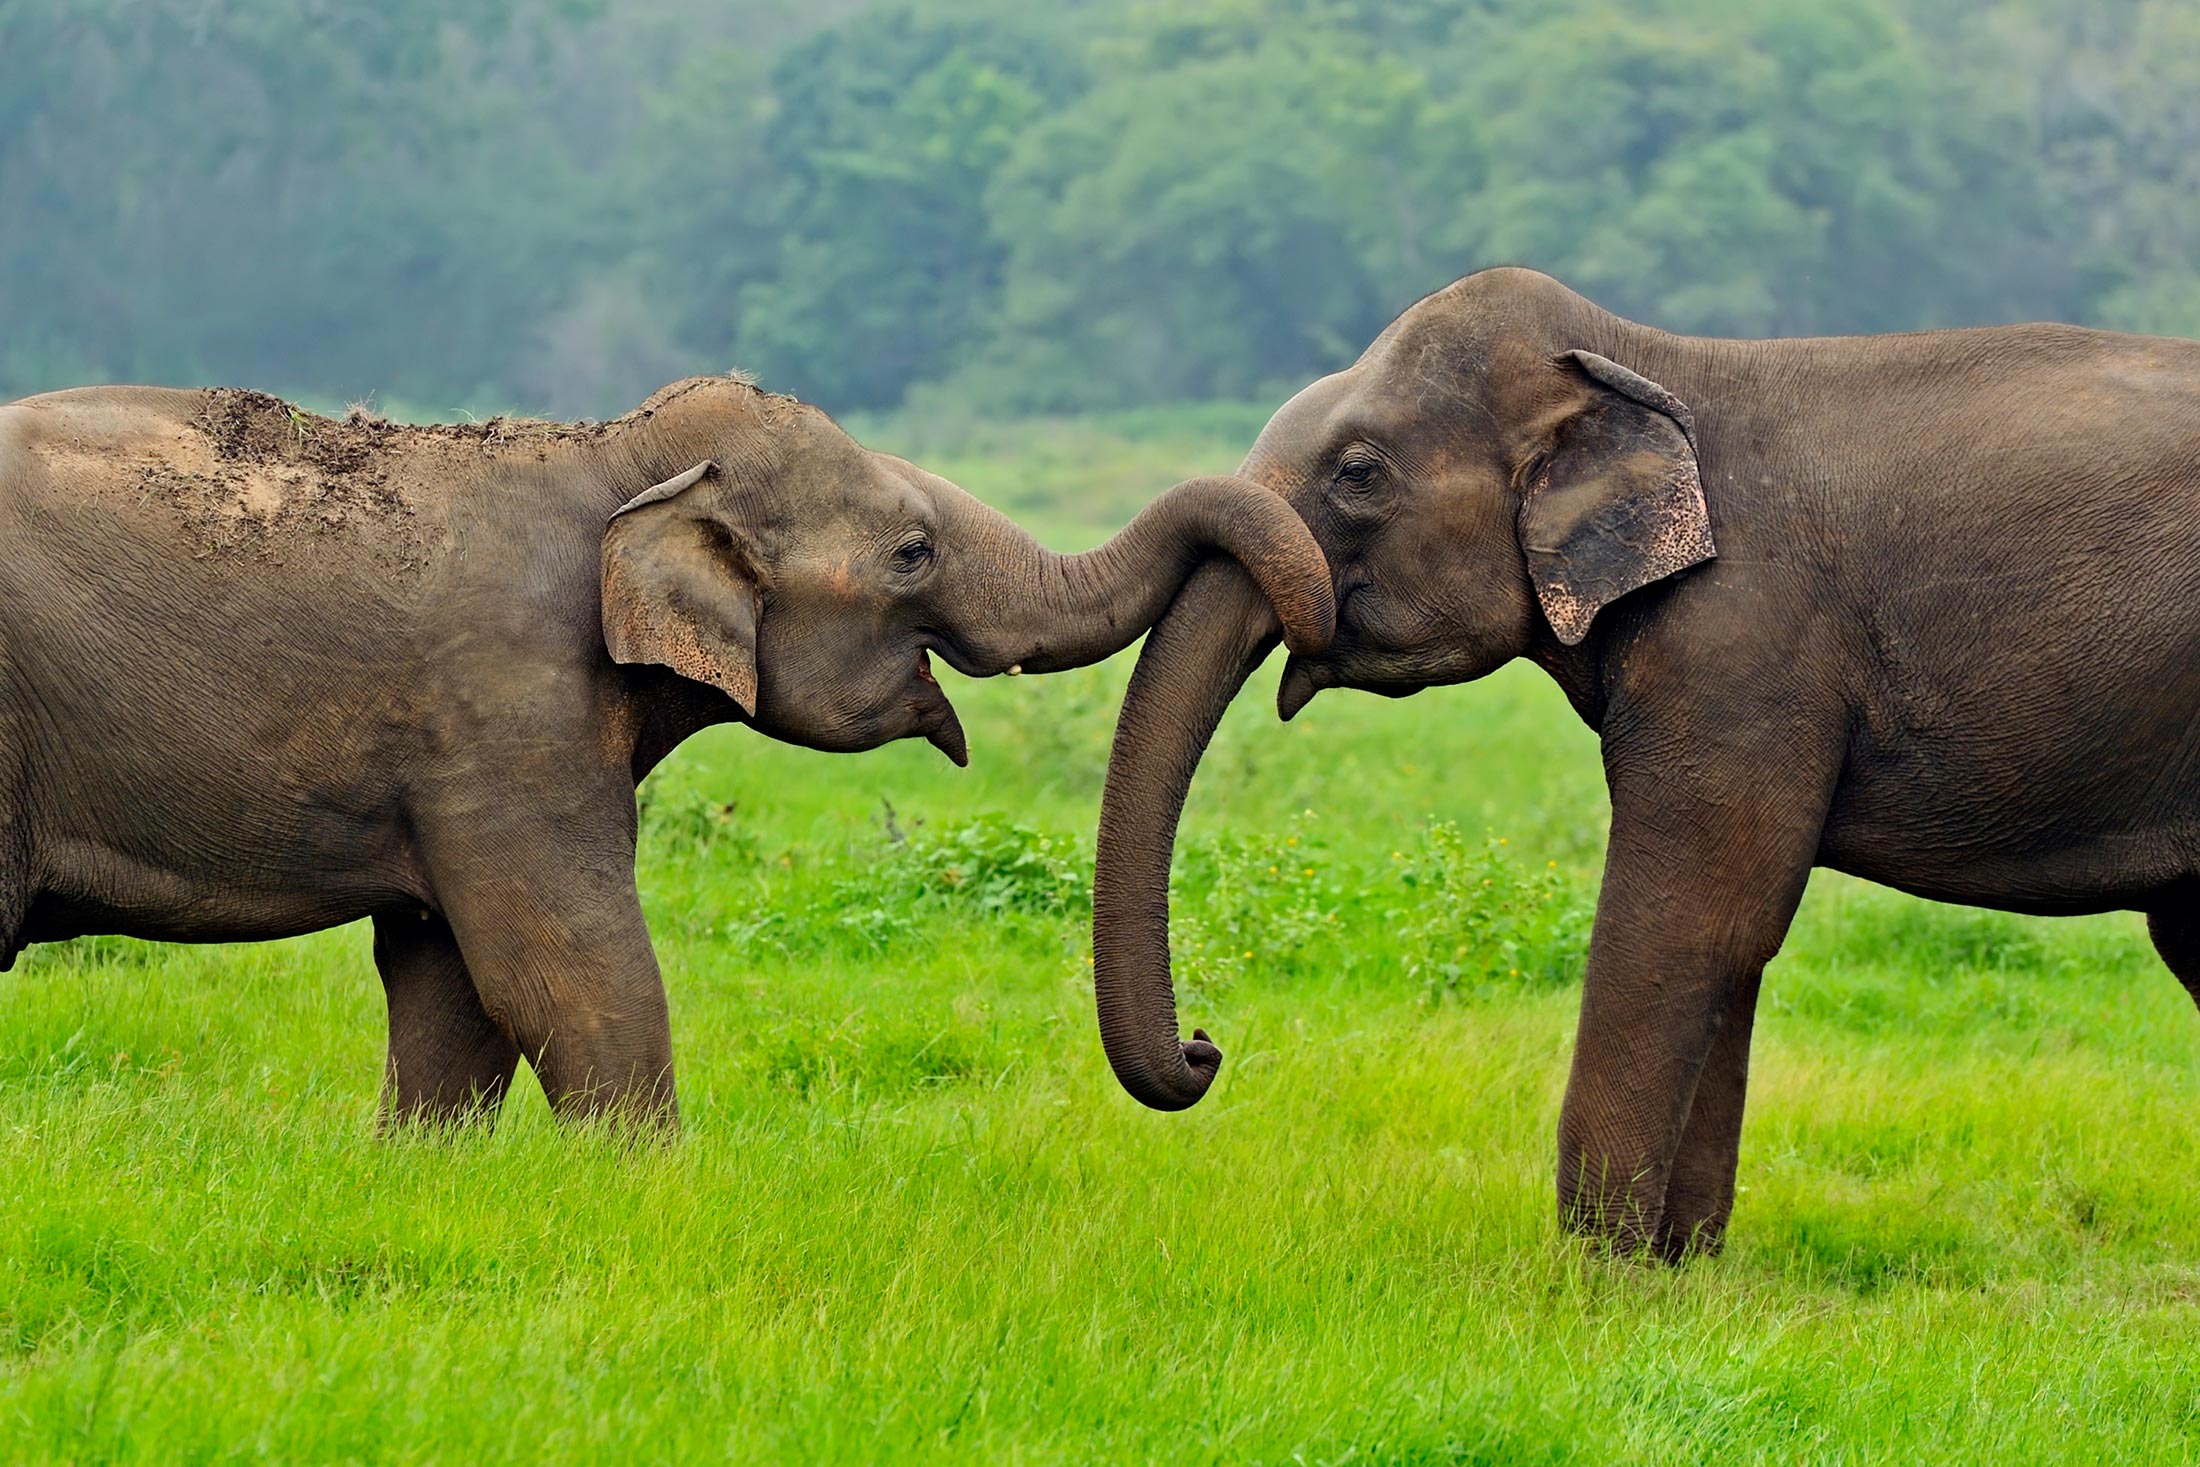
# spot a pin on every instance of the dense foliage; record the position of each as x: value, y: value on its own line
x: 555, y: 204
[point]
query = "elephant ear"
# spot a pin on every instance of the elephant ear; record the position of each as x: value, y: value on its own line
x: 681, y: 589
x: 1618, y: 503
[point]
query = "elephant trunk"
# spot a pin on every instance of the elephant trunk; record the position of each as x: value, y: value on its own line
x: 1045, y: 612
x: 1193, y: 663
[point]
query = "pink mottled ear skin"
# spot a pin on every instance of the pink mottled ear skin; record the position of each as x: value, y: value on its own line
x: 1618, y: 506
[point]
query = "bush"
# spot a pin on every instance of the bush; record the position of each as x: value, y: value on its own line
x: 678, y: 822
x: 1481, y: 917
x: 988, y: 865
x: 1268, y: 900
x: 993, y: 865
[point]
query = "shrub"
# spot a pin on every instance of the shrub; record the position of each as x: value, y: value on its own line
x: 1261, y: 899
x: 683, y: 823
x: 994, y: 865
x: 988, y: 865
x: 1481, y: 916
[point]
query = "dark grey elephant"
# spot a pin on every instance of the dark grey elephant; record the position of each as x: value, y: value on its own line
x: 1922, y: 608
x: 263, y: 672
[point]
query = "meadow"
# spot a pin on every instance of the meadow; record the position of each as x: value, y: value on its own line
x: 913, y: 1218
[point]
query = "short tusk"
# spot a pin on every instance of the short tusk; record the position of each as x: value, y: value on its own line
x: 1015, y: 669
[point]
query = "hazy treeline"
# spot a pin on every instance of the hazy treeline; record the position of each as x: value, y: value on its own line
x: 556, y: 204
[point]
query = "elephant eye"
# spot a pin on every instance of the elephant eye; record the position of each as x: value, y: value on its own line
x: 1356, y: 470
x: 913, y: 555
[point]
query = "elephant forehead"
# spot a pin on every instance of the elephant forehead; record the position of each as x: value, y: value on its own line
x: 1300, y: 427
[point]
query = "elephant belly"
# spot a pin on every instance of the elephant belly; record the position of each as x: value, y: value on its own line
x: 2049, y: 845
x: 219, y: 892
x: 2052, y: 766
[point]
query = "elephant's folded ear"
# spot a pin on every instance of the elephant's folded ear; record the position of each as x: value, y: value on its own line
x: 681, y: 589
x: 1617, y: 502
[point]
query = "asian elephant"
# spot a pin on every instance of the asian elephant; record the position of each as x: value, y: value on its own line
x: 263, y: 672
x: 1924, y: 608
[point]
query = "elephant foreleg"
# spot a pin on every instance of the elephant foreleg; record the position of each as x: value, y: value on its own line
x: 1699, y: 1194
x: 15, y: 861
x: 448, y: 1060
x: 1706, y: 865
x: 2177, y: 939
x: 547, y: 915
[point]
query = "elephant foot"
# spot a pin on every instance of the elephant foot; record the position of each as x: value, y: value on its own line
x: 1687, y: 1233
x: 1618, y: 1221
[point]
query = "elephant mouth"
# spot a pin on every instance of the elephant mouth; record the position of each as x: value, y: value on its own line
x: 1303, y: 678
x: 1301, y: 681
x: 952, y: 652
x: 936, y: 718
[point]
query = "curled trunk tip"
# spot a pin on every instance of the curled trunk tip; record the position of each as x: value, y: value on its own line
x: 1168, y: 1082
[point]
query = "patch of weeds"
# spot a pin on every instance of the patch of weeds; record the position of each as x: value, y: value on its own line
x: 1939, y: 938
x: 854, y: 1058
x: 1239, y: 900
x: 682, y: 823
x: 1066, y: 733
x: 83, y: 953
x: 1872, y: 1148
x: 77, y: 1270
x: 1482, y: 916
x: 84, y: 1058
x: 1865, y: 1252
x: 992, y: 864
x: 344, y: 1273
x: 989, y: 866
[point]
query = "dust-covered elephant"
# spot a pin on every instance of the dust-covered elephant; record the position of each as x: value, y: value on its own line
x: 263, y: 672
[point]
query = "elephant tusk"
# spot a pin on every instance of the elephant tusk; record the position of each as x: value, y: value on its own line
x: 1015, y: 669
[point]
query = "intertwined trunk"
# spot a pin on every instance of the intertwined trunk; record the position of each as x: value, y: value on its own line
x: 1193, y: 663
x: 1040, y: 612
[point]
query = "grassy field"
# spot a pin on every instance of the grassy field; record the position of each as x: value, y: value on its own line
x: 912, y: 1217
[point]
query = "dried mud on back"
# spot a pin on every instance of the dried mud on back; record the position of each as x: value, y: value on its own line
x: 257, y: 476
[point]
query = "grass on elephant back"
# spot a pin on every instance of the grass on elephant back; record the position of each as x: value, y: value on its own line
x: 912, y: 1217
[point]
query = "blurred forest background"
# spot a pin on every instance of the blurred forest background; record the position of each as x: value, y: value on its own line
x: 994, y: 207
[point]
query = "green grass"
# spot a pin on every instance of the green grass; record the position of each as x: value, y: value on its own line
x: 913, y: 1217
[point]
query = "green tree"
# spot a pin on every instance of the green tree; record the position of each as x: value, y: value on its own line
x: 886, y: 134
x: 226, y: 191
x: 1209, y: 230
x: 1752, y: 170
x: 555, y: 204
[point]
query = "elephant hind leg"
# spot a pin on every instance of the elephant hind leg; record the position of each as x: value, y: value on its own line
x: 448, y: 1060
x: 15, y: 903
x: 2177, y: 939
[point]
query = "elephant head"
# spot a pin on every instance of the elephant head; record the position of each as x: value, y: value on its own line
x: 1485, y: 481
x: 809, y: 579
